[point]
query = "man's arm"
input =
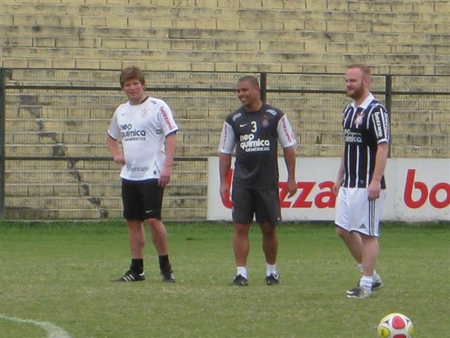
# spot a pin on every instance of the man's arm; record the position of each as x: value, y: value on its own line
x: 380, y: 165
x: 340, y: 175
x: 289, y: 159
x: 224, y: 168
x: 113, y: 147
x: 226, y: 146
x: 171, y: 146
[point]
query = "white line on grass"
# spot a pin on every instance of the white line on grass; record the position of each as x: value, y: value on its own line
x: 53, y: 330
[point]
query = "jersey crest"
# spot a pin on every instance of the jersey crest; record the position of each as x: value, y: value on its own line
x: 144, y: 112
x: 359, y: 119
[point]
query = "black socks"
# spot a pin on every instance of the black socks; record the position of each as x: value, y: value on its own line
x: 164, y: 264
x: 137, y: 265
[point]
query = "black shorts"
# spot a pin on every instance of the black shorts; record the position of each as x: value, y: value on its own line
x: 141, y: 199
x: 264, y: 203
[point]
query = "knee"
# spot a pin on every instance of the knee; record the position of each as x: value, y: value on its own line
x: 137, y: 235
x: 269, y: 231
x: 152, y: 222
x: 135, y: 228
x: 341, y: 232
x: 369, y: 240
x: 241, y: 231
x: 156, y: 226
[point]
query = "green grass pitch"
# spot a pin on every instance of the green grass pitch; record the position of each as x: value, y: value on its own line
x: 60, y: 273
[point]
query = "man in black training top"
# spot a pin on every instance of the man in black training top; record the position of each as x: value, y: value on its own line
x: 255, y: 129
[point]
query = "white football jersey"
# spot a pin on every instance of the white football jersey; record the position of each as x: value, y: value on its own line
x: 142, y: 129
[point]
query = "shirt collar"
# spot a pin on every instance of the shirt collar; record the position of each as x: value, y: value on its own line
x: 365, y: 103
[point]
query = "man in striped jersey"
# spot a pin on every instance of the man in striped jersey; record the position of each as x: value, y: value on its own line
x: 360, y: 184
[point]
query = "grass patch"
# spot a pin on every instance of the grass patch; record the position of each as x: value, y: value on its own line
x: 60, y: 273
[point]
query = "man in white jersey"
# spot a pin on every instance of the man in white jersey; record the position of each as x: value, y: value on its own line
x: 255, y: 129
x: 360, y: 184
x: 147, y: 130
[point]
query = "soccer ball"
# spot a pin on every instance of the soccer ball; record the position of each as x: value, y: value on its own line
x: 396, y: 325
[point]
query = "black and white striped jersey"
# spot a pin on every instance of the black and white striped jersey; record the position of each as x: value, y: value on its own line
x: 364, y: 127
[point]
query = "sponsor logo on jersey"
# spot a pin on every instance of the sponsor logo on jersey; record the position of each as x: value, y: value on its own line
x: 136, y: 169
x: 166, y: 118
x: 249, y: 144
x: 352, y: 137
x: 127, y: 133
x: 271, y: 111
x: 235, y: 117
x: 286, y: 131
x: 379, y: 129
x: 224, y: 137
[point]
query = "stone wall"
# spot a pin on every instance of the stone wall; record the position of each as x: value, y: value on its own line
x: 395, y: 37
x: 86, y: 38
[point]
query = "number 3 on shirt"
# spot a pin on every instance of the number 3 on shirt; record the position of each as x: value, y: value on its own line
x: 254, y: 126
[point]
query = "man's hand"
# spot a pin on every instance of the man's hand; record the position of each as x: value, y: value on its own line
x: 336, y: 187
x: 225, y: 193
x: 374, y: 190
x: 119, y: 159
x: 164, y: 177
x: 292, y: 187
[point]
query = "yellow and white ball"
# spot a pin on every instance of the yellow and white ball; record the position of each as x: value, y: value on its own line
x: 396, y: 325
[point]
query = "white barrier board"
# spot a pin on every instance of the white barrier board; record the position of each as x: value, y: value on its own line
x: 417, y: 190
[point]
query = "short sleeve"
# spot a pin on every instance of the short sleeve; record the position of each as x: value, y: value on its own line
x: 380, y: 125
x: 285, y: 133
x: 167, y: 121
x: 227, y: 139
x: 114, y: 130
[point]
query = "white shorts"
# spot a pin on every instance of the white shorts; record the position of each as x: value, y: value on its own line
x: 354, y: 211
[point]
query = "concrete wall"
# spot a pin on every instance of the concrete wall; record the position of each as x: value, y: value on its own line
x: 396, y: 37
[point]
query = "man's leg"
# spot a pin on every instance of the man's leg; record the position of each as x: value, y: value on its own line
x: 241, y: 248
x: 353, y: 242
x: 159, y: 239
x: 370, y: 254
x: 268, y: 214
x: 159, y: 235
x: 269, y: 242
x: 270, y: 248
x: 243, y: 212
x: 241, y: 244
x: 136, y: 238
x: 343, y: 223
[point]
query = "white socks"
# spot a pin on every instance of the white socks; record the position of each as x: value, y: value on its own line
x: 271, y: 269
x: 242, y: 270
x: 376, y: 278
x: 366, y: 283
